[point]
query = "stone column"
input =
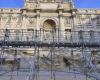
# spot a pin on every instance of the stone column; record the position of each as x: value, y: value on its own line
x: 61, y: 25
x: 73, y: 15
x: 24, y: 19
x: 37, y: 21
x: 38, y: 16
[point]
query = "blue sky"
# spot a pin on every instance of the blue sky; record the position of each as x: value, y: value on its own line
x: 78, y: 3
x: 11, y: 3
x: 87, y: 3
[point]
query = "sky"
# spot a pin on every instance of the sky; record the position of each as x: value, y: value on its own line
x: 11, y: 3
x: 78, y: 3
x: 87, y: 3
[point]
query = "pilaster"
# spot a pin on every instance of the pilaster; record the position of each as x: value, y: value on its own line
x: 37, y: 16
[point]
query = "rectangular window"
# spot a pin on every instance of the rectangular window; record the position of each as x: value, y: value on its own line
x: 92, y: 37
x: 68, y: 34
x: 80, y: 35
x: 98, y: 20
x: 78, y: 20
x: 89, y: 20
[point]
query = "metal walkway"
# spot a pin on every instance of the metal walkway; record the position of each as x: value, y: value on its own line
x: 43, y: 44
x: 40, y: 38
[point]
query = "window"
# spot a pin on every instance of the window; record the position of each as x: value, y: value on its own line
x: 98, y: 20
x: 79, y: 20
x: 89, y: 20
x: 67, y: 34
x: 80, y: 35
x: 91, y: 35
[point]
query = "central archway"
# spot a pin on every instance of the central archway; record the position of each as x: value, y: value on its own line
x: 49, y: 29
x: 49, y: 25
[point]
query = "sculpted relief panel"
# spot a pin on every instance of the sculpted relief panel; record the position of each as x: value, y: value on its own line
x: 68, y: 22
x: 30, y: 22
x: 4, y: 20
x: 10, y: 20
x: 30, y: 5
x: 16, y: 20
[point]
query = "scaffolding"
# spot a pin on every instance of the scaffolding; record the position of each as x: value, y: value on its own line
x: 68, y: 57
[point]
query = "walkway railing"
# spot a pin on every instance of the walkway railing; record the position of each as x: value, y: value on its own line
x: 73, y: 38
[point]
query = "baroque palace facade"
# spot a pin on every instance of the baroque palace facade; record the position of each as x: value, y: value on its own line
x: 60, y: 16
x: 46, y: 22
x: 50, y: 15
